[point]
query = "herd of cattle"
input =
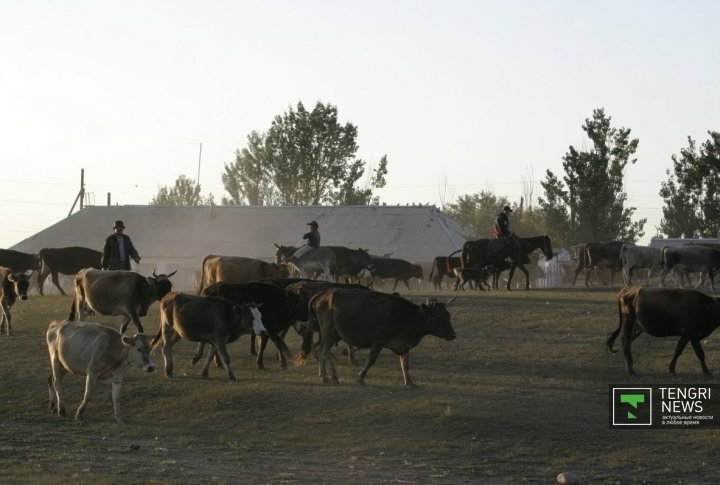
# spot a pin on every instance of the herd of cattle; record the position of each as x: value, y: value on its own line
x: 244, y: 296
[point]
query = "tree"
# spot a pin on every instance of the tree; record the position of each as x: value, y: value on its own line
x: 692, y: 191
x: 477, y: 212
x: 305, y: 158
x: 248, y: 180
x: 592, y: 194
x: 185, y: 192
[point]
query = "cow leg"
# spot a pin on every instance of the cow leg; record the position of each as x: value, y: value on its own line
x: 678, y: 350
x: 135, y: 319
x: 261, y: 350
x: 225, y: 359
x: 628, y: 328
x: 116, y: 387
x: 663, y: 274
x: 405, y: 368
x: 700, y: 353
x: 372, y: 357
x: 281, y: 347
x: 6, y: 318
x: 206, y: 365
x: 56, y: 375
x: 167, y: 354
x: 198, y: 353
x: 55, y: 281
x: 394, y: 286
x: 89, y: 384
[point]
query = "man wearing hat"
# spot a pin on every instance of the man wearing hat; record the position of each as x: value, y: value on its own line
x: 313, y: 240
x: 118, y: 249
x: 501, y: 230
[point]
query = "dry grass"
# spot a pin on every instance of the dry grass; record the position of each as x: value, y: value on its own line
x: 520, y: 396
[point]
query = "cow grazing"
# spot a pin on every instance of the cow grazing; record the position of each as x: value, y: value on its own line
x: 691, y: 258
x: 443, y: 266
x: 237, y: 269
x: 98, y: 352
x: 203, y: 319
x: 13, y: 287
x: 665, y: 312
x: 398, y: 269
x: 639, y: 257
x: 118, y: 292
x: 368, y: 319
x: 594, y: 256
x: 279, y: 310
x: 66, y: 261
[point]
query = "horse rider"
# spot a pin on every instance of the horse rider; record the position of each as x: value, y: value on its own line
x: 501, y: 231
x: 313, y: 241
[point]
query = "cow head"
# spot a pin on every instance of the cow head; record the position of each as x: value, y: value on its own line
x: 160, y: 284
x: 438, y: 319
x: 249, y: 318
x: 21, y: 283
x: 139, y: 354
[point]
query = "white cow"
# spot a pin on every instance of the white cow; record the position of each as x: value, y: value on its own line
x: 98, y: 352
x: 639, y: 257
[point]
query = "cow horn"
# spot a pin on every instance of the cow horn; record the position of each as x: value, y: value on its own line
x: 172, y: 273
x: 450, y: 300
x: 276, y: 245
x: 154, y: 275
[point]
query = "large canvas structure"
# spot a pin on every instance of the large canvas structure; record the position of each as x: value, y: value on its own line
x: 170, y: 237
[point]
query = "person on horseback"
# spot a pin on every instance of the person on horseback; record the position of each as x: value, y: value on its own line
x: 313, y: 241
x: 501, y: 231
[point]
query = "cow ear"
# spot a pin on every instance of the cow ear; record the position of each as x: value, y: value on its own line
x: 127, y: 340
x: 11, y: 277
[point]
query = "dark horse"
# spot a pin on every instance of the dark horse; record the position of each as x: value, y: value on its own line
x: 483, y: 252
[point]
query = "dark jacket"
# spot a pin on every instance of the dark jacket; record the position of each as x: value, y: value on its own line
x: 313, y: 238
x: 502, y: 226
x: 111, y: 253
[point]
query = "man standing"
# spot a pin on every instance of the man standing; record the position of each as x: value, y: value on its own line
x: 118, y: 249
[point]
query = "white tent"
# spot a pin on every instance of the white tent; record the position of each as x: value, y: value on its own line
x: 173, y: 237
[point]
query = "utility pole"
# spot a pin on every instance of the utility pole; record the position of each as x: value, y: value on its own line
x: 81, y: 194
x: 197, y: 181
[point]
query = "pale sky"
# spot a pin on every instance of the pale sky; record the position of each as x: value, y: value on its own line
x: 466, y: 95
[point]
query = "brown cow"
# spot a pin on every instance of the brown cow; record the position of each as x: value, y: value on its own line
x: 368, y: 319
x: 237, y: 269
x: 98, y: 352
x: 13, y: 286
x: 216, y: 321
x: 665, y: 312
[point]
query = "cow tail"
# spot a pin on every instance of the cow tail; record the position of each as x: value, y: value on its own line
x: 611, y: 338
x: 313, y: 326
x: 432, y: 270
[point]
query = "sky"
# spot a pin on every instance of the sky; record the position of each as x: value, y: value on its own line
x: 462, y: 96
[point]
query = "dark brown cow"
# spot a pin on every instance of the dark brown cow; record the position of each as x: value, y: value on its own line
x: 117, y: 292
x: 279, y: 310
x: 204, y: 319
x: 477, y: 276
x: 399, y: 269
x: 13, y: 287
x: 66, y: 261
x: 443, y: 266
x: 350, y: 262
x: 594, y: 256
x: 237, y: 269
x: 368, y: 319
x: 18, y: 261
x: 98, y: 352
x: 665, y: 312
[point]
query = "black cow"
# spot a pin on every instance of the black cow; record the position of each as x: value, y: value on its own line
x: 665, y: 312
x: 66, y: 261
x: 279, y: 310
x: 18, y: 261
x: 13, y: 286
x: 477, y: 276
x: 368, y: 319
x: 350, y: 262
x: 443, y: 266
x: 399, y: 269
x: 118, y: 292
x: 594, y: 256
x: 216, y: 321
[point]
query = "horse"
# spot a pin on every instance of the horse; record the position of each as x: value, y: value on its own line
x: 483, y: 252
x: 320, y: 259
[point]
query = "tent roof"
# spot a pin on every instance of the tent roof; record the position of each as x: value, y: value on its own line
x: 186, y: 234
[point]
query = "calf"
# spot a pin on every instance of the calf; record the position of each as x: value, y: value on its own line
x: 216, y: 321
x: 98, y: 352
x: 13, y: 286
x: 665, y: 312
x: 399, y: 269
x: 477, y: 276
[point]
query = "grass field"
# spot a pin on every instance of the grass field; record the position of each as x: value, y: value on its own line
x: 520, y: 396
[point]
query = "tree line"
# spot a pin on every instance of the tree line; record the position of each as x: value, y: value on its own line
x: 309, y: 158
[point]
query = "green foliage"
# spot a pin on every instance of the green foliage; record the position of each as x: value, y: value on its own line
x: 305, y: 158
x: 477, y: 212
x: 589, y: 204
x: 185, y: 192
x: 692, y: 191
